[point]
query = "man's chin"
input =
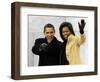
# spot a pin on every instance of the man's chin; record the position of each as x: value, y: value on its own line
x: 50, y: 39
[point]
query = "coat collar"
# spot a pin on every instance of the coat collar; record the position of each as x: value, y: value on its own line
x: 70, y: 37
x: 54, y: 39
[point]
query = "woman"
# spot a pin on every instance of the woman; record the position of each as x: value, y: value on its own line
x: 72, y: 42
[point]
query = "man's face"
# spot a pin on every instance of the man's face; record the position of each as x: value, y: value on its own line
x: 49, y: 33
x: 65, y: 32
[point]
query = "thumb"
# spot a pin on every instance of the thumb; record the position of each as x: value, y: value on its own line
x: 79, y: 25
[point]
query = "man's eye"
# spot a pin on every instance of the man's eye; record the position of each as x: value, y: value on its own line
x: 47, y: 32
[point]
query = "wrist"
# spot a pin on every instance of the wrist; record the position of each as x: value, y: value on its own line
x: 81, y: 32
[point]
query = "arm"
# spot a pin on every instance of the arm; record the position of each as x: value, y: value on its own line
x: 81, y: 37
x: 35, y: 48
x: 39, y: 48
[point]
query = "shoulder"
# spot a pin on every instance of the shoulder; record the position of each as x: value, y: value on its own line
x: 58, y: 42
x: 39, y: 39
x: 71, y: 38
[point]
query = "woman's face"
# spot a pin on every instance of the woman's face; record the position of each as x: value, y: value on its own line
x: 65, y: 32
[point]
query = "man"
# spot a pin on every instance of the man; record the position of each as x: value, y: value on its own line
x: 47, y: 48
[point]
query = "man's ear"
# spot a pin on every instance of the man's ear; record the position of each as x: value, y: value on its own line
x: 43, y: 32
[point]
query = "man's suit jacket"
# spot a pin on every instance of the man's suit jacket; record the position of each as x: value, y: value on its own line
x: 52, y: 54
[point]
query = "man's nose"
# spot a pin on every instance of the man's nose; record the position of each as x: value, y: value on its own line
x: 49, y: 34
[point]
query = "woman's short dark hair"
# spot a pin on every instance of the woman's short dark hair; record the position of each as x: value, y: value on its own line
x: 66, y: 24
x: 49, y: 26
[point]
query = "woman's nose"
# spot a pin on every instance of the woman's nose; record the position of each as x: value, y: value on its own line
x: 65, y: 33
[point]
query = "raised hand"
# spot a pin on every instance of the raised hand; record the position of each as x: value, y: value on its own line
x: 43, y: 47
x: 81, y: 26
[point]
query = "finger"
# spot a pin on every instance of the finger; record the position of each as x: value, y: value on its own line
x: 79, y: 24
x: 84, y: 24
x: 82, y: 21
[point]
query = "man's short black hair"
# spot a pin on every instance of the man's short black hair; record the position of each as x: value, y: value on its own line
x: 49, y: 26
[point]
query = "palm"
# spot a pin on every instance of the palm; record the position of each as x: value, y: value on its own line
x: 81, y: 26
